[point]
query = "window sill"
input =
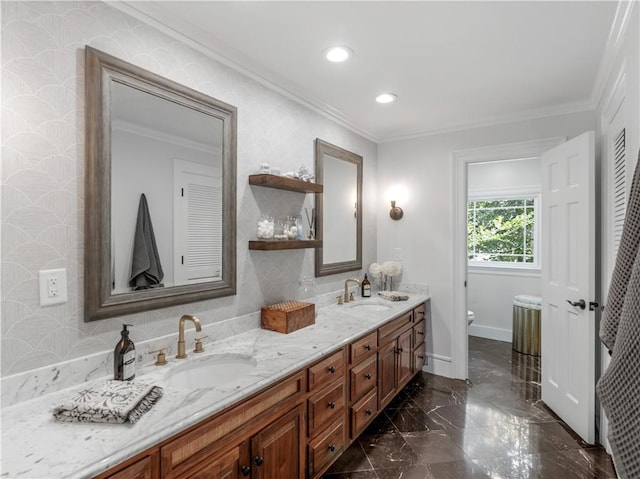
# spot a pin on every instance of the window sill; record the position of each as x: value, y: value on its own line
x: 505, y: 271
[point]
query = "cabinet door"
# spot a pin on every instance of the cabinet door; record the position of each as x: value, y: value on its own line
x: 227, y: 466
x: 277, y: 449
x: 404, y: 357
x: 138, y: 470
x: 386, y: 372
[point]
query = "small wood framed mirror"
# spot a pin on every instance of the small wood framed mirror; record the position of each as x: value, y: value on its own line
x: 339, y: 209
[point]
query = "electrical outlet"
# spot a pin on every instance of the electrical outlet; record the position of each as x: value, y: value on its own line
x: 53, y: 286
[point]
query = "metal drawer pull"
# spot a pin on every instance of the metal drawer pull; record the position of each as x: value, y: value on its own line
x: 368, y: 412
x: 259, y: 460
x: 332, y: 405
x: 246, y: 470
x: 421, y: 333
x: 332, y: 448
x: 368, y: 347
x: 331, y: 369
x: 367, y: 376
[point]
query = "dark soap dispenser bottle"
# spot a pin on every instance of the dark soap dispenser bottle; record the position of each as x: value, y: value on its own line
x: 124, y: 357
x: 366, y: 287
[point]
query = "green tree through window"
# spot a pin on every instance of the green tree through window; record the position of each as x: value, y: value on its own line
x: 502, y: 230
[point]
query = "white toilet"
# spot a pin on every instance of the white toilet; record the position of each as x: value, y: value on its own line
x: 470, y: 317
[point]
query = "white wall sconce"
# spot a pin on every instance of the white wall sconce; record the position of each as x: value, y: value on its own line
x: 395, y: 212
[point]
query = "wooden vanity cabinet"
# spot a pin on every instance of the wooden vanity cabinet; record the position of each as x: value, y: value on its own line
x: 363, y: 380
x: 394, y: 357
x: 227, y: 466
x: 298, y: 427
x: 276, y: 451
x: 145, y: 467
x: 272, y: 453
x: 326, y: 412
x: 419, y: 333
x: 254, y: 431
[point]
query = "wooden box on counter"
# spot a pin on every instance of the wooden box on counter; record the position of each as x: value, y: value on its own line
x: 288, y: 316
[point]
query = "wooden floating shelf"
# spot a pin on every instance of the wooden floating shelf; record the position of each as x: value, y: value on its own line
x: 272, y: 245
x: 284, y: 183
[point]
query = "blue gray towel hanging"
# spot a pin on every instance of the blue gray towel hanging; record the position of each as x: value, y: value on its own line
x: 146, y: 270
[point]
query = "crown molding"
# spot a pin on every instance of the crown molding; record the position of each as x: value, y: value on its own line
x: 567, y: 109
x: 302, y: 98
x: 621, y: 19
x: 197, y: 41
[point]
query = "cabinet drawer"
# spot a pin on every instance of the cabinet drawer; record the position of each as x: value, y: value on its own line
x: 326, y: 448
x: 364, y: 377
x: 418, y: 334
x: 363, y: 412
x: 419, y: 313
x: 325, y: 406
x: 392, y: 328
x: 363, y: 348
x: 326, y: 371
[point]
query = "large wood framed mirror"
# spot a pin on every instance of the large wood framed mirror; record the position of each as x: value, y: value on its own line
x: 160, y: 201
x: 339, y: 209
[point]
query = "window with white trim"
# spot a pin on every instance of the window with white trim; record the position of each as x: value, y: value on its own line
x: 503, y: 231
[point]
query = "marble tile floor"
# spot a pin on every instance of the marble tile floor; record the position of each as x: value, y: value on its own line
x: 495, y: 426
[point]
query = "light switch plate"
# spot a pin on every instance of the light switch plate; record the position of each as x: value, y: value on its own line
x: 53, y: 286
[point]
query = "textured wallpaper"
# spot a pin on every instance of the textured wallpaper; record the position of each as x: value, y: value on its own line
x: 43, y: 165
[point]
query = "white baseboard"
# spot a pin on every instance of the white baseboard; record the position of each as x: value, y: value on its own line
x: 489, y: 332
x: 438, y: 365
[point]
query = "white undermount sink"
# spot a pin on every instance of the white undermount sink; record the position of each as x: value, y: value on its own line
x: 369, y: 306
x: 210, y: 371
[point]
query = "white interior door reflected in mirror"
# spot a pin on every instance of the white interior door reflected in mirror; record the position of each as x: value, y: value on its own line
x: 339, y: 207
x: 197, y: 195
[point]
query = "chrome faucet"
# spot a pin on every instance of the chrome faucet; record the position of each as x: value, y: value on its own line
x: 346, y: 287
x: 187, y: 317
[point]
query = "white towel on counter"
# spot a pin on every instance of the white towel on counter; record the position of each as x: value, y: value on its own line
x: 393, y: 295
x: 110, y: 401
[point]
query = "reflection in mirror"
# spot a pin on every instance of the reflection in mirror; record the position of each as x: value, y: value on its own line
x: 173, y: 155
x: 160, y: 191
x: 339, y: 209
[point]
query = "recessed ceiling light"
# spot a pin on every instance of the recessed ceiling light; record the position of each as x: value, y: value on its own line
x: 386, y: 98
x: 338, y: 54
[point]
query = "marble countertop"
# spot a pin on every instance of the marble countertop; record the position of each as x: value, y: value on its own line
x: 34, y: 445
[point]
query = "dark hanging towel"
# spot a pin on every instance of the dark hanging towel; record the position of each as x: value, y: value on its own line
x: 146, y: 270
x: 619, y: 386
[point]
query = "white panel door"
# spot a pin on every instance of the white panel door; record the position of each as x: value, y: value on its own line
x: 568, y: 283
x: 197, y: 222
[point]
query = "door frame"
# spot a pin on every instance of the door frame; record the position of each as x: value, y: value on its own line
x: 461, y: 160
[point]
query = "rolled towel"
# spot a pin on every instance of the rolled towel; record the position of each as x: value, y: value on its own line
x: 109, y: 401
x: 393, y: 295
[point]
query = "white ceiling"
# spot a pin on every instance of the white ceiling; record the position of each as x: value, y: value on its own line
x: 452, y: 64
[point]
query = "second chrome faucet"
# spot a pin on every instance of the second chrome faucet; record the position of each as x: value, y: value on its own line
x: 181, y: 349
